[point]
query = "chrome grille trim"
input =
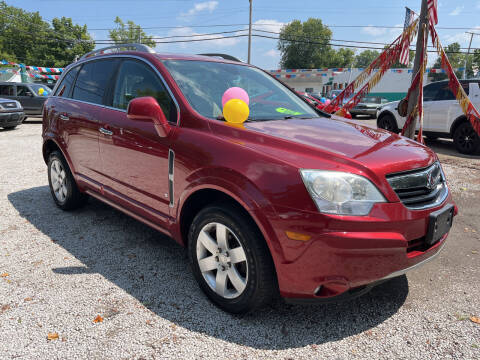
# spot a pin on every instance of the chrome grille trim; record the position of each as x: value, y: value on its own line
x: 420, y: 189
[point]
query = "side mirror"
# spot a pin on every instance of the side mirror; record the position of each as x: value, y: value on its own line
x: 147, y: 109
x: 28, y: 93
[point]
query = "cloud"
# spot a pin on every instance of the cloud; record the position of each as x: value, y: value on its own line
x: 199, y: 7
x: 462, y: 37
x: 268, y: 25
x: 186, y: 33
x: 272, y: 53
x: 370, y: 30
x: 457, y: 10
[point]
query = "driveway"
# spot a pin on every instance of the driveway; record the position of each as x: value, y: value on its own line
x: 101, y: 285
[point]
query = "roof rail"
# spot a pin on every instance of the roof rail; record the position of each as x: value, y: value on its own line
x: 222, y: 56
x: 120, y: 47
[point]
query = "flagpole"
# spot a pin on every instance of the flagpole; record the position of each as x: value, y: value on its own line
x: 422, y: 27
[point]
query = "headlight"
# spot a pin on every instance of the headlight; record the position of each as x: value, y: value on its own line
x: 341, y: 193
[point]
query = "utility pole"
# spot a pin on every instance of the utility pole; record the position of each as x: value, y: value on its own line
x: 422, y: 28
x: 250, y: 33
x: 468, y: 53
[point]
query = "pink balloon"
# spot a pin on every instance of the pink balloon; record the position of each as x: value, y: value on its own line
x: 327, y: 102
x: 235, y: 93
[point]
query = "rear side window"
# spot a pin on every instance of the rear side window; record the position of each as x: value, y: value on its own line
x: 93, y: 80
x: 137, y: 79
x: 6, y: 90
x: 65, y: 87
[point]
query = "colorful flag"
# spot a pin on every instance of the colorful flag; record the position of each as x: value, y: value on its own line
x: 432, y: 11
x: 405, y: 54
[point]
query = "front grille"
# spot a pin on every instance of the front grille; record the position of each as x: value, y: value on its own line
x: 420, y: 189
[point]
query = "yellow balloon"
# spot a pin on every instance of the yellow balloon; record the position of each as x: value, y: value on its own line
x: 236, y: 111
x: 41, y: 91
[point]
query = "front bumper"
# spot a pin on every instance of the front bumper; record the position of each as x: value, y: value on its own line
x: 348, y: 254
x: 13, y: 118
x: 371, y: 112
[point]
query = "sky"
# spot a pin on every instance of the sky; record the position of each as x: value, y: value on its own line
x: 163, y: 18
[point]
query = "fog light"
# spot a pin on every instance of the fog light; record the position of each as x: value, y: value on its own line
x: 297, y: 236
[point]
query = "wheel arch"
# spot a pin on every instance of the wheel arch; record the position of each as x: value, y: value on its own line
x: 50, y: 145
x: 387, y: 113
x: 206, y: 194
x: 458, y: 121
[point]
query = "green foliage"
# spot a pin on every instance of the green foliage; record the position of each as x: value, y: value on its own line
x: 25, y: 37
x: 129, y: 33
x: 456, y: 60
x: 306, y: 46
x: 365, y: 58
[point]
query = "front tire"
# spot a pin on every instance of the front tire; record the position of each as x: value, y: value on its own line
x: 387, y: 122
x: 230, y: 259
x: 465, y: 139
x: 63, y: 187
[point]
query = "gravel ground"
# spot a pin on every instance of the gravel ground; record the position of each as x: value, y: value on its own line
x: 59, y: 271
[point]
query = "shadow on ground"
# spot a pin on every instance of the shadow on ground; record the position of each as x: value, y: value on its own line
x: 155, y: 270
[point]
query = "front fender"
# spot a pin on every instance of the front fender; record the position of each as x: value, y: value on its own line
x: 245, y: 193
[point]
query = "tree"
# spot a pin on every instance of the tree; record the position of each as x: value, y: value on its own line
x: 456, y: 60
x: 27, y: 38
x: 343, y: 58
x: 365, y: 58
x: 128, y: 33
x: 307, y: 46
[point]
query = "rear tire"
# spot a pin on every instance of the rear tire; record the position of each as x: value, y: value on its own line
x: 387, y: 122
x: 237, y: 272
x: 63, y: 187
x: 465, y: 139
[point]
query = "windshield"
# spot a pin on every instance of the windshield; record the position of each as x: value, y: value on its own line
x: 36, y: 87
x: 203, y: 84
x: 371, y: 100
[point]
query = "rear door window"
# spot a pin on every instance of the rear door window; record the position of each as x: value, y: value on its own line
x: 65, y: 87
x: 6, y: 90
x: 23, y: 91
x: 444, y: 93
x: 430, y: 91
x: 137, y: 79
x: 93, y: 80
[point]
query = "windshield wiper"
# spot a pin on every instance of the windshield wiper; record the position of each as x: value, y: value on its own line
x: 296, y: 117
x: 221, y: 118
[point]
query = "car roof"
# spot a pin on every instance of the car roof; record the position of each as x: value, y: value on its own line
x: 167, y: 56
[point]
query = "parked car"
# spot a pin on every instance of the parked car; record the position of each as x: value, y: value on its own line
x: 313, y: 207
x: 11, y: 113
x: 369, y: 106
x: 443, y: 116
x: 30, y: 95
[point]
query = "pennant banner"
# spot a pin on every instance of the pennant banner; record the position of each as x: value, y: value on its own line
x: 33, y: 68
x: 384, y: 62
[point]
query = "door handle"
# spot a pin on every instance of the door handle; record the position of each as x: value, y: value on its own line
x: 64, y: 117
x: 105, y: 131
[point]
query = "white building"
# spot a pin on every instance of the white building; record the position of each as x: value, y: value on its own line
x: 393, y: 86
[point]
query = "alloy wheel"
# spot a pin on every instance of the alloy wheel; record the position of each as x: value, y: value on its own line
x: 58, y: 178
x: 222, y: 260
x: 466, y: 139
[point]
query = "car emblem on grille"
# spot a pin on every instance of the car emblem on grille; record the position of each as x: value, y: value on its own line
x: 431, y: 179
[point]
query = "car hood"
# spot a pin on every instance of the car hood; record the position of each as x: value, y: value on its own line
x: 346, y: 141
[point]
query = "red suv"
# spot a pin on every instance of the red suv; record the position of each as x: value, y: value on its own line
x: 294, y: 202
